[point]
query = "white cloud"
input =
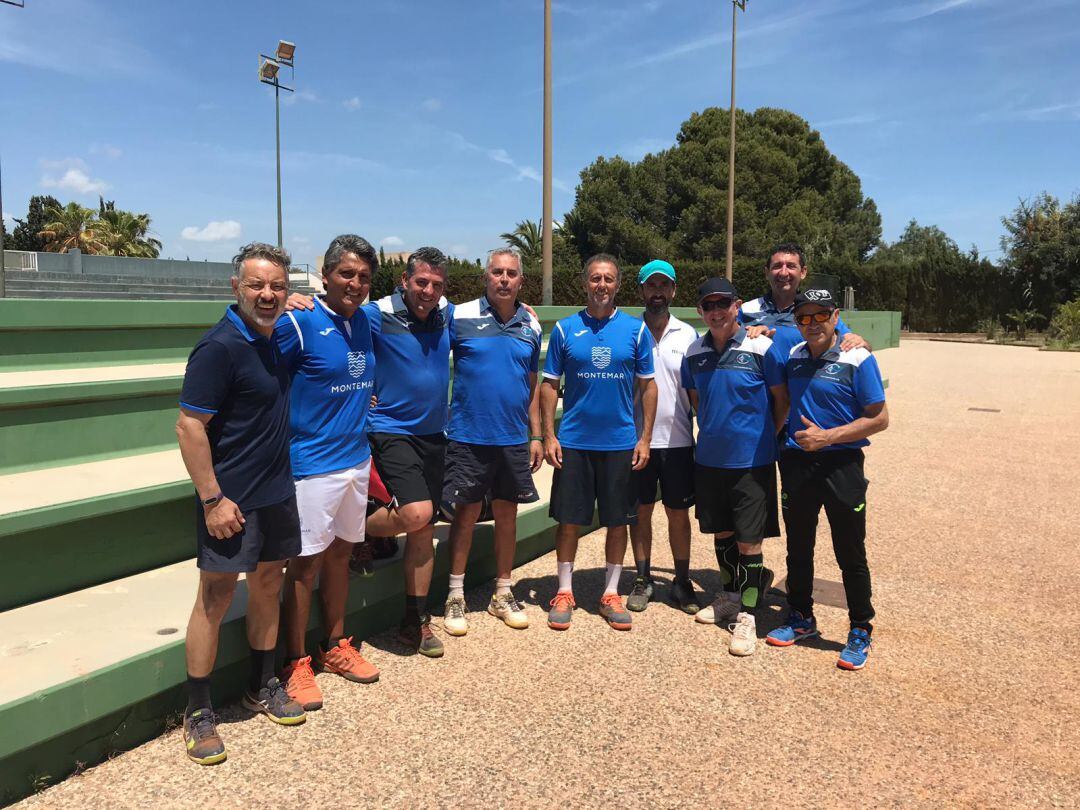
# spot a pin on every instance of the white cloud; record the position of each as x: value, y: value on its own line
x: 301, y: 95
x: 106, y: 149
x: 431, y: 104
x: 213, y: 232
x: 351, y: 104
x: 930, y: 9
x: 849, y: 121
x: 459, y: 250
x: 1066, y: 111
x: 76, y: 177
x: 636, y: 150
x: 503, y: 157
x: 393, y: 242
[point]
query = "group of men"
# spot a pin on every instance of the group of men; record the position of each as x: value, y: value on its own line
x: 289, y: 403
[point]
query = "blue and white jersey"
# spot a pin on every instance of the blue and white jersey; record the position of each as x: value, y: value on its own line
x: 831, y: 391
x: 332, y: 362
x: 492, y: 365
x: 601, y: 360
x: 413, y: 384
x: 735, y: 422
x: 764, y: 312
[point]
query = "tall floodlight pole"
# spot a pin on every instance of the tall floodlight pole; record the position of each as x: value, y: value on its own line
x: 269, y: 68
x: 547, y: 224
x: 3, y: 291
x: 736, y: 6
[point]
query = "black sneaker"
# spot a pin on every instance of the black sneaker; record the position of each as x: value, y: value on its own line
x: 275, y: 703
x: 201, y: 738
x: 421, y: 638
x: 640, y: 595
x: 683, y: 597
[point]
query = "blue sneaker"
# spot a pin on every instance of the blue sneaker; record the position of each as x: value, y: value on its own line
x: 854, y: 655
x: 798, y: 627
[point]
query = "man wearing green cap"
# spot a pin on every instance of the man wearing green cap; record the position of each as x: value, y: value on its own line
x: 671, y: 463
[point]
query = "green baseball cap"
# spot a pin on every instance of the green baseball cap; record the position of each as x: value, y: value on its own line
x: 654, y: 267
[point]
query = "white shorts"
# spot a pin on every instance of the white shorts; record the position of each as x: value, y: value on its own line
x: 332, y: 505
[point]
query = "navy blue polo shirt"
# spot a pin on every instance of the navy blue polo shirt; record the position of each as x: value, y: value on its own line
x: 241, y: 378
x: 493, y: 362
x: 764, y: 312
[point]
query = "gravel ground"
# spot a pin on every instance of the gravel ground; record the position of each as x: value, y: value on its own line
x: 965, y: 702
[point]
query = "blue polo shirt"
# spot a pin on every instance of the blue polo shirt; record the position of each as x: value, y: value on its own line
x: 764, y: 312
x: 831, y: 391
x: 413, y: 357
x: 332, y: 361
x: 735, y: 422
x: 492, y: 364
x: 241, y: 378
x: 600, y: 360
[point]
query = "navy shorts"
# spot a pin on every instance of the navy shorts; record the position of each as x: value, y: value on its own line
x: 594, y: 479
x: 669, y: 475
x: 269, y: 533
x: 474, y: 470
x: 411, y: 467
x: 741, y: 501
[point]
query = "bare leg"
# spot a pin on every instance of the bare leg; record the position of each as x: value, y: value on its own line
x: 264, y: 590
x: 615, y: 545
x: 299, y: 585
x: 641, y: 532
x: 566, y: 542
x: 505, y: 513
x: 461, y: 535
x: 211, y: 601
x: 679, y: 532
x: 334, y: 587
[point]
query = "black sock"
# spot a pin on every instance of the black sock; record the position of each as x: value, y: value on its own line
x: 262, y: 669
x: 198, y: 693
x: 644, y: 568
x: 727, y: 557
x: 682, y: 571
x: 415, y: 607
x: 329, y: 643
x: 750, y: 566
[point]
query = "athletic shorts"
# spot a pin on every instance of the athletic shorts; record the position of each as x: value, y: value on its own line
x: 671, y: 471
x: 740, y: 501
x: 594, y: 479
x: 410, y: 466
x: 332, y: 505
x: 474, y: 470
x: 269, y: 533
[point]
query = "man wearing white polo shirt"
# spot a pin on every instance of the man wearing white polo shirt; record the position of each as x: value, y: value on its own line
x: 670, y: 470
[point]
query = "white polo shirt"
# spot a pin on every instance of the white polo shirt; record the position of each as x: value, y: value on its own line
x: 672, y: 427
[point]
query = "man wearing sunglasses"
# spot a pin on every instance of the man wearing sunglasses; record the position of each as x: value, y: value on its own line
x: 728, y: 375
x: 837, y: 402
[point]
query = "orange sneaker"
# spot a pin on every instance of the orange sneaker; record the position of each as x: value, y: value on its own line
x: 300, y: 684
x: 611, y: 608
x: 346, y: 661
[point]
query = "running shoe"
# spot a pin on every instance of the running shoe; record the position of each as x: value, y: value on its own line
x: 273, y: 701
x: 796, y: 628
x: 344, y: 659
x: 300, y: 684
x: 421, y: 638
x: 454, y: 620
x: 562, y: 611
x: 640, y: 594
x: 201, y: 738
x: 504, y: 606
x: 683, y: 597
x: 724, y: 609
x: 743, y: 635
x: 856, y: 651
x: 611, y: 609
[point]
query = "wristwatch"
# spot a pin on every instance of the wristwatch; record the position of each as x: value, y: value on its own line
x: 214, y: 500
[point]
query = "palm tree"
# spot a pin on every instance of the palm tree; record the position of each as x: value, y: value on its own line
x: 122, y: 233
x: 528, y: 240
x: 69, y: 228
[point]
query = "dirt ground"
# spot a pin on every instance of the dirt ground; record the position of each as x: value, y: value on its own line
x: 969, y: 699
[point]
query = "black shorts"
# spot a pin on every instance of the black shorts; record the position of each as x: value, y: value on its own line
x: 603, y: 478
x: 411, y: 467
x: 672, y: 470
x: 740, y: 501
x: 270, y: 533
x: 474, y: 470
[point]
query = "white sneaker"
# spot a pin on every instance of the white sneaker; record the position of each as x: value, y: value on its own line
x: 722, y: 611
x: 743, y: 635
x: 504, y: 606
x: 454, y: 621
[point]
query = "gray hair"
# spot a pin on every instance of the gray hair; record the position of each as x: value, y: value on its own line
x: 341, y: 246
x: 425, y: 255
x: 601, y: 258
x: 261, y: 250
x: 505, y: 251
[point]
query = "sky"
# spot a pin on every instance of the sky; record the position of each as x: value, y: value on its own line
x: 418, y: 122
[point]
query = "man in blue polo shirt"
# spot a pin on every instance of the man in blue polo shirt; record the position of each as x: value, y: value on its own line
x: 837, y: 402
x: 329, y: 351
x: 728, y: 374
x: 233, y: 432
x: 602, y: 353
x: 494, y: 431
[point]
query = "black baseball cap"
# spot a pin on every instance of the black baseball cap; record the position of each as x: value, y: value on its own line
x: 716, y: 286
x: 823, y: 298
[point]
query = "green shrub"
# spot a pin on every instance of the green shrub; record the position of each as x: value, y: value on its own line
x: 1065, y: 325
x: 989, y: 327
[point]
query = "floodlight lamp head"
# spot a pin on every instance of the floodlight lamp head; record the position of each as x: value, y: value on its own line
x: 268, y: 70
x: 741, y: 3
x: 285, y: 52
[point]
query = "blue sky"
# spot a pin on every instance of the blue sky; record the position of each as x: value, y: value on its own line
x: 418, y: 122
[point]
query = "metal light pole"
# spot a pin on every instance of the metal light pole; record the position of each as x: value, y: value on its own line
x: 269, y: 66
x: 3, y: 285
x: 736, y: 6
x: 547, y: 224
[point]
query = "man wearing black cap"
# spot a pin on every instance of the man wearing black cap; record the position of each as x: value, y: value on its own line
x: 837, y: 401
x: 728, y: 376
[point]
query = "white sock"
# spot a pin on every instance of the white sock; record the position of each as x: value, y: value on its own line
x: 611, y: 582
x: 566, y: 576
x: 502, y: 586
x: 457, y: 586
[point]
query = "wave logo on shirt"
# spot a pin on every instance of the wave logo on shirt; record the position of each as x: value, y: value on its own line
x: 601, y: 357
x: 357, y: 363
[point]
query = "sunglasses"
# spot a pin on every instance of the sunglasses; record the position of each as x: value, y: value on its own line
x: 817, y: 317
x: 709, y: 306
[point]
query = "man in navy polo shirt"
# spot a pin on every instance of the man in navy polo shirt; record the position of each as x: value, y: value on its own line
x: 837, y: 402
x: 330, y: 353
x: 728, y: 374
x: 602, y: 353
x: 494, y: 431
x: 233, y: 432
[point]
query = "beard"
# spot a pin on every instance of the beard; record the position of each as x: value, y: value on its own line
x: 654, y: 308
x: 260, y: 317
